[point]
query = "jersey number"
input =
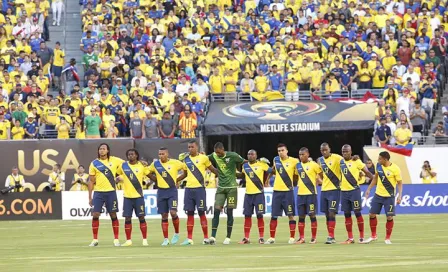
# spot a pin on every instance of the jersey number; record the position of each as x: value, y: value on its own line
x: 231, y: 200
x: 201, y: 203
x: 192, y: 168
x: 302, y: 175
x: 174, y: 203
x: 164, y: 174
x: 311, y: 207
x: 326, y: 170
x: 132, y: 176
x: 345, y: 171
x: 115, y: 205
x: 356, y: 204
x: 280, y: 170
x: 260, y: 207
x: 106, y: 172
x: 289, y: 208
x: 391, y: 208
x: 333, y: 203
x: 251, y: 174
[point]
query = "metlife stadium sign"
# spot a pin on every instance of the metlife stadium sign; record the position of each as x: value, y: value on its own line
x: 417, y: 198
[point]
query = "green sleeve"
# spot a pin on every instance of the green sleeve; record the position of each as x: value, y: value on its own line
x: 238, y: 158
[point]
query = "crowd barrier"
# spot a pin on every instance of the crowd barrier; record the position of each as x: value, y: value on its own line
x: 416, y: 199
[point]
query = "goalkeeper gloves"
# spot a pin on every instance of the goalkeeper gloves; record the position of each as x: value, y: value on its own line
x: 265, y: 160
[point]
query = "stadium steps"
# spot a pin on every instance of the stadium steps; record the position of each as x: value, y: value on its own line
x: 69, y: 33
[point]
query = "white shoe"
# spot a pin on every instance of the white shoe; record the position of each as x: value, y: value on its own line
x: 127, y: 243
x: 58, y: 24
x: 388, y: 242
x: 206, y: 241
x: 116, y: 243
x: 270, y: 241
x: 291, y: 241
x: 54, y: 23
x: 145, y: 242
x: 226, y: 241
x: 94, y: 243
x: 369, y: 240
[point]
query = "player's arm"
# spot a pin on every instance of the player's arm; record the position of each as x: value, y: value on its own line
x: 373, y: 183
x: 400, y: 190
x: 90, y: 186
x: 213, y: 169
x: 182, y: 176
x: 319, y: 174
x: 367, y: 172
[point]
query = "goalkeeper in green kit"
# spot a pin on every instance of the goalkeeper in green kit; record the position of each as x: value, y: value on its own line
x: 226, y: 162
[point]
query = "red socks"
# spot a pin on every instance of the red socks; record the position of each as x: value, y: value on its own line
x: 348, y: 227
x: 313, y: 228
x: 302, y: 229
x: 204, y: 225
x: 176, y: 224
x: 247, y: 226
x: 260, y: 222
x: 143, y: 229
x: 273, y: 227
x: 115, y: 227
x: 373, y: 222
x: 389, y: 228
x: 128, y: 230
x: 190, y: 225
x: 330, y: 227
x: 292, y: 228
x: 360, y: 221
x: 165, y: 228
x: 95, y: 227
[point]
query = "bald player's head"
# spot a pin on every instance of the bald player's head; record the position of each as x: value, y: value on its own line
x: 304, y: 154
x: 325, y: 150
x: 251, y: 155
x: 347, y: 152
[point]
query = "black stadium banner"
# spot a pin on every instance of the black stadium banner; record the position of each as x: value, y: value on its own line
x: 31, y: 206
x: 36, y: 158
x: 282, y: 116
x: 149, y: 149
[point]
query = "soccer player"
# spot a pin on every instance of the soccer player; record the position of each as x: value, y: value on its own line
x: 283, y: 196
x: 102, y: 173
x: 132, y: 173
x: 166, y: 171
x: 387, y: 176
x: 195, y: 166
x: 308, y: 173
x: 226, y: 163
x: 330, y: 165
x: 254, y: 172
x: 351, y: 193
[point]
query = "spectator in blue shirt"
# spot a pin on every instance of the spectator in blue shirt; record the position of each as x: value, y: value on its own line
x: 275, y: 79
x: 383, y: 133
x: 31, y: 127
x: 168, y: 43
x: 87, y: 41
x: 346, y: 78
x: 197, y: 108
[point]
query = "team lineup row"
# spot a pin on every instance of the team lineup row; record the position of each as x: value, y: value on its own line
x: 337, y: 174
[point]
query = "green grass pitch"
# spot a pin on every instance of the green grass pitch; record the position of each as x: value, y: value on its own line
x: 420, y: 243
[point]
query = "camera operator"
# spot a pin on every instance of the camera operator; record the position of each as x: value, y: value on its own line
x: 56, y: 179
x: 14, y: 182
x: 428, y: 174
x: 80, y: 180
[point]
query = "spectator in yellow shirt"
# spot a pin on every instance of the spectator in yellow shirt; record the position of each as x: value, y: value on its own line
x: 17, y: 131
x: 63, y: 129
x: 403, y: 135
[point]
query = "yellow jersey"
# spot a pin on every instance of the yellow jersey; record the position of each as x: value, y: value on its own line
x: 307, y: 173
x: 78, y: 186
x: 196, y: 167
x: 133, y: 176
x: 166, y: 173
x: 59, y: 56
x: 105, y: 172
x: 52, y: 115
x: 350, y: 174
x: 5, y: 125
x: 284, y: 175
x: 388, y: 178
x: 254, y: 174
x: 18, y: 133
x: 331, y: 168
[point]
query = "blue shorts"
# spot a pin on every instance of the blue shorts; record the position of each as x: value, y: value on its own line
x: 351, y: 200
x: 329, y: 201
x: 166, y: 200
x: 379, y: 202
x: 57, y: 70
x: 133, y: 204
x: 195, y: 198
x: 252, y: 201
x: 307, y: 204
x: 107, y: 198
x: 283, y: 201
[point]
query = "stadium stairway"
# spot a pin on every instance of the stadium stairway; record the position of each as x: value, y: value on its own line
x: 69, y: 34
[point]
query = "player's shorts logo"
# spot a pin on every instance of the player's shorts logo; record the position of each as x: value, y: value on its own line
x: 273, y: 110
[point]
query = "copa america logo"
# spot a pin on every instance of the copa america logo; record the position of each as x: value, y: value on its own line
x: 273, y: 110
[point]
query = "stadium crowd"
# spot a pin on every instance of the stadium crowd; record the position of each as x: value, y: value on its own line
x: 149, y: 66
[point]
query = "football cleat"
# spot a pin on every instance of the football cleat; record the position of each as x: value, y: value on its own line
x: 145, y: 242
x: 116, y: 243
x: 291, y: 240
x: 261, y: 241
x: 347, y: 242
x: 300, y: 241
x: 270, y: 241
x: 187, y: 242
x: 333, y: 240
x: 212, y: 241
x: 94, y: 243
x: 361, y: 240
x: 226, y: 241
x: 175, y: 239
x: 166, y: 242
x: 206, y: 241
x: 127, y: 243
x: 329, y: 241
x: 244, y: 241
x: 388, y: 242
x: 313, y: 241
x: 369, y: 240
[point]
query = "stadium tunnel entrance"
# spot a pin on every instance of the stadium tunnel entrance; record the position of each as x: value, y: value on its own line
x: 265, y: 143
